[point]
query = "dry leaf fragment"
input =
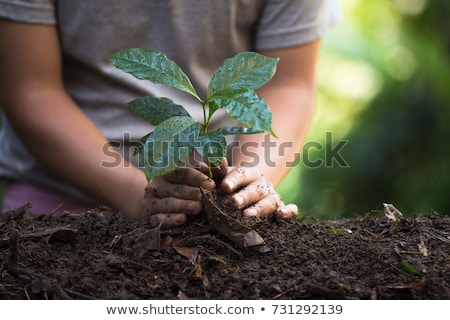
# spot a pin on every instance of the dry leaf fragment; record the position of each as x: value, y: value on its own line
x: 57, y: 234
x: 189, y: 252
x: 147, y: 241
x: 231, y: 228
x: 423, y: 248
x: 392, y: 213
x: 115, y: 241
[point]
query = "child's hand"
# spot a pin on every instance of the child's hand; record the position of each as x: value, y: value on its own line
x: 173, y: 197
x: 257, y: 195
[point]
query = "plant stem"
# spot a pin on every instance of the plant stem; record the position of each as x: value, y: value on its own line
x: 206, y: 118
x: 206, y: 122
x: 210, y: 174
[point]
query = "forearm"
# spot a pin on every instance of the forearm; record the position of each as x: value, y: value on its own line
x: 274, y: 157
x: 290, y: 95
x: 70, y: 145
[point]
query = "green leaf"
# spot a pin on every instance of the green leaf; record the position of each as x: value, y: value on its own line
x: 340, y: 230
x: 213, y: 107
x: 244, y: 105
x: 229, y: 130
x: 156, y: 110
x: 409, y: 267
x: 248, y: 70
x: 139, y: 149
x: 169, y: 145
x: 212, y: 146
x: 154, y: 66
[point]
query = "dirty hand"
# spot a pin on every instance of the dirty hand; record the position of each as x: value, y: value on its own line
x: 257, y: 195
x: 173, y: 197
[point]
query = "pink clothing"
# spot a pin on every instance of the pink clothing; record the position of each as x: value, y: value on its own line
x: 17, y: 194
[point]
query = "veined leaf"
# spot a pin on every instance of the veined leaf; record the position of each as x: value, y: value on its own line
x: 169, y: 145
x: 154, y: 66
x: 176, y: 133
x: 244, y: 105
x: 212, y: 146
x: 229, y: 130
x: 139, y: 149
x: 156, y: 110
x: 213, y: 107
x: 248, y: 70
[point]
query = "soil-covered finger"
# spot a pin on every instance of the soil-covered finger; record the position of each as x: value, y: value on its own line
x: 239, y: 177
x: 252, y: 193
x: 168, y: 221
x: 190, y: 176
x: 181, y: 191
x: 174, y: 205
x: 221, y: 171
x: 265, y: 207
x: 218, y: 172
x: 287, y: 212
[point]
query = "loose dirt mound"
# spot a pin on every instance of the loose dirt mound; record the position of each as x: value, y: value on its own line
x: 99, y: 255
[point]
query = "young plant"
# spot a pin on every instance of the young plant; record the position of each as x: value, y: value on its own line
x: 176, y: 134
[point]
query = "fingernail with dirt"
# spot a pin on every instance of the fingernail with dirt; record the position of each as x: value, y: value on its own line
x: 251, y: 212
x: 282, y: 213
x: 179, y: 219
x: 238, y: 201
x: 208, y: 184
x: 228, y: 186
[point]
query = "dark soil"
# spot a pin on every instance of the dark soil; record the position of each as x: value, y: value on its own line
x: 100, y: 255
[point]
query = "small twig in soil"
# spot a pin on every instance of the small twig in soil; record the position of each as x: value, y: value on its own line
x: 26, y: 293
x: 56, y: 209
x: 433, y: 235
x: 281, y: 294
x: 79, y: 295
x: 207, y: 238
x: 139, y: 264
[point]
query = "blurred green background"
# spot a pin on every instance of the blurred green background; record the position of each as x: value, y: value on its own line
x: 384, y: 87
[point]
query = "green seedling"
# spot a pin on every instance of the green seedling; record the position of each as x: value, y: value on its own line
x: 176, y: 134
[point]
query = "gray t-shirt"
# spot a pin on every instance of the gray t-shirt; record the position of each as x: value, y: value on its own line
x: 197, y: 34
